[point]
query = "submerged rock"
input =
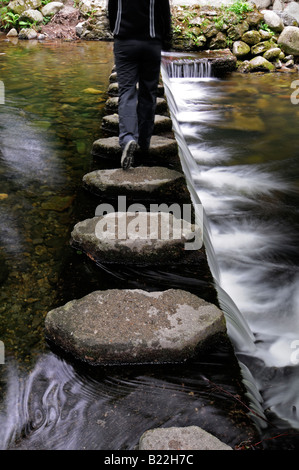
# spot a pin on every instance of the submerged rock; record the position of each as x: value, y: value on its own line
x: 135, y: 326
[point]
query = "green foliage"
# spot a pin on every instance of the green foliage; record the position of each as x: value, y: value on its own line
x: 239, y: 8
x: 229, y: 42
x: 47, y: 19
x: 8, y: 19
x: 91, y: 13
x: 188, y: 15
x: 266, y: 27
x: 219, y: 22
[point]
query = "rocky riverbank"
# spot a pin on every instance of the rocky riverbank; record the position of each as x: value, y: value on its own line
x: 261, y: 35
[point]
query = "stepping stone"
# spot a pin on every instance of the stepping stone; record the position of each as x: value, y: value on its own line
x: 158, y: 183
x: 110, y: 124
x: 162, y: 149
x: 113, y: 86
x: 180, y: 438
x: 138, y: 238
x: 117, y: 326
x: 113, y: 77
x: 111, y: 106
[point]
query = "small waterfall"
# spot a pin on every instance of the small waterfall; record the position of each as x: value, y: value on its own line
x: 188, y: 68
x: 238, y: 329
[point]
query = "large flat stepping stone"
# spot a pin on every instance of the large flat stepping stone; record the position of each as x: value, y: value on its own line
x: 150, y: 183
x: 110, y: 124
x: 162, y: 149
x: 136, y: 238
x: 112, y: 106
x: 134, y: 326
x: 180, y: 438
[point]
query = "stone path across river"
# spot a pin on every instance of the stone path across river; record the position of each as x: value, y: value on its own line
x: 136, y: 326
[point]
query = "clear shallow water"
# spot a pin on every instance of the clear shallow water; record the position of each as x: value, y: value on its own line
x: 54, y: 101
x: 243, y: 140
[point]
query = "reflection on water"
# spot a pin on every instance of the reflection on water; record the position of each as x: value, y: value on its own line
x: 247, y: 181
x: 54, y: 99
x: 59, y: 407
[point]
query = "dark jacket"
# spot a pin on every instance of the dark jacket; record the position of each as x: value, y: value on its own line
x: 140, y: 19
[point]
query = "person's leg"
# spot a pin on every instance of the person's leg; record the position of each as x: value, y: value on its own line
x: 126, y: 62
x: 149, y: 74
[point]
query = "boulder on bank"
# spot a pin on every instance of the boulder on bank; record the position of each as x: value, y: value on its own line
x: 289, y: 40
x: 51, y: 8
x: 273, y: 21
x: 33, y: 16
x: 19, y: 6
x: 292, y: 10
x: 27, y: 33
x: 135, y: 326
x: 257, y: 64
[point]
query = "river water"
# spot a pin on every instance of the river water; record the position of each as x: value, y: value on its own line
x: 241, y: 132
x: 242, y: 137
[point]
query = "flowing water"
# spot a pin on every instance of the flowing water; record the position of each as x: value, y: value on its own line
x: 241, y: 157
x: 242, y: 138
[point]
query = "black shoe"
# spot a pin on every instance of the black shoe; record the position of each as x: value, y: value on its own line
x: 127, y: 157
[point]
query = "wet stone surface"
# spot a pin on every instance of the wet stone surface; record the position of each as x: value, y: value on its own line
x: 163, y: 152
x: 134, y: 326
x: 110, y: 124
x: 112, y: 105
x: 180, y: 438
x: 144, y: 238
x: 139, y: 182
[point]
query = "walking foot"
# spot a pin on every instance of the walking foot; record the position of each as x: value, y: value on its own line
x: 127, y: 157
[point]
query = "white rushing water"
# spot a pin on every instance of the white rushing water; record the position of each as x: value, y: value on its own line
x: 258, y: 294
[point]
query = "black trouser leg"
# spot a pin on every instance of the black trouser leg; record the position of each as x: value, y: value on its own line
x: 137, y: 61
x: 149, y: 73
x: 127, y: 77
